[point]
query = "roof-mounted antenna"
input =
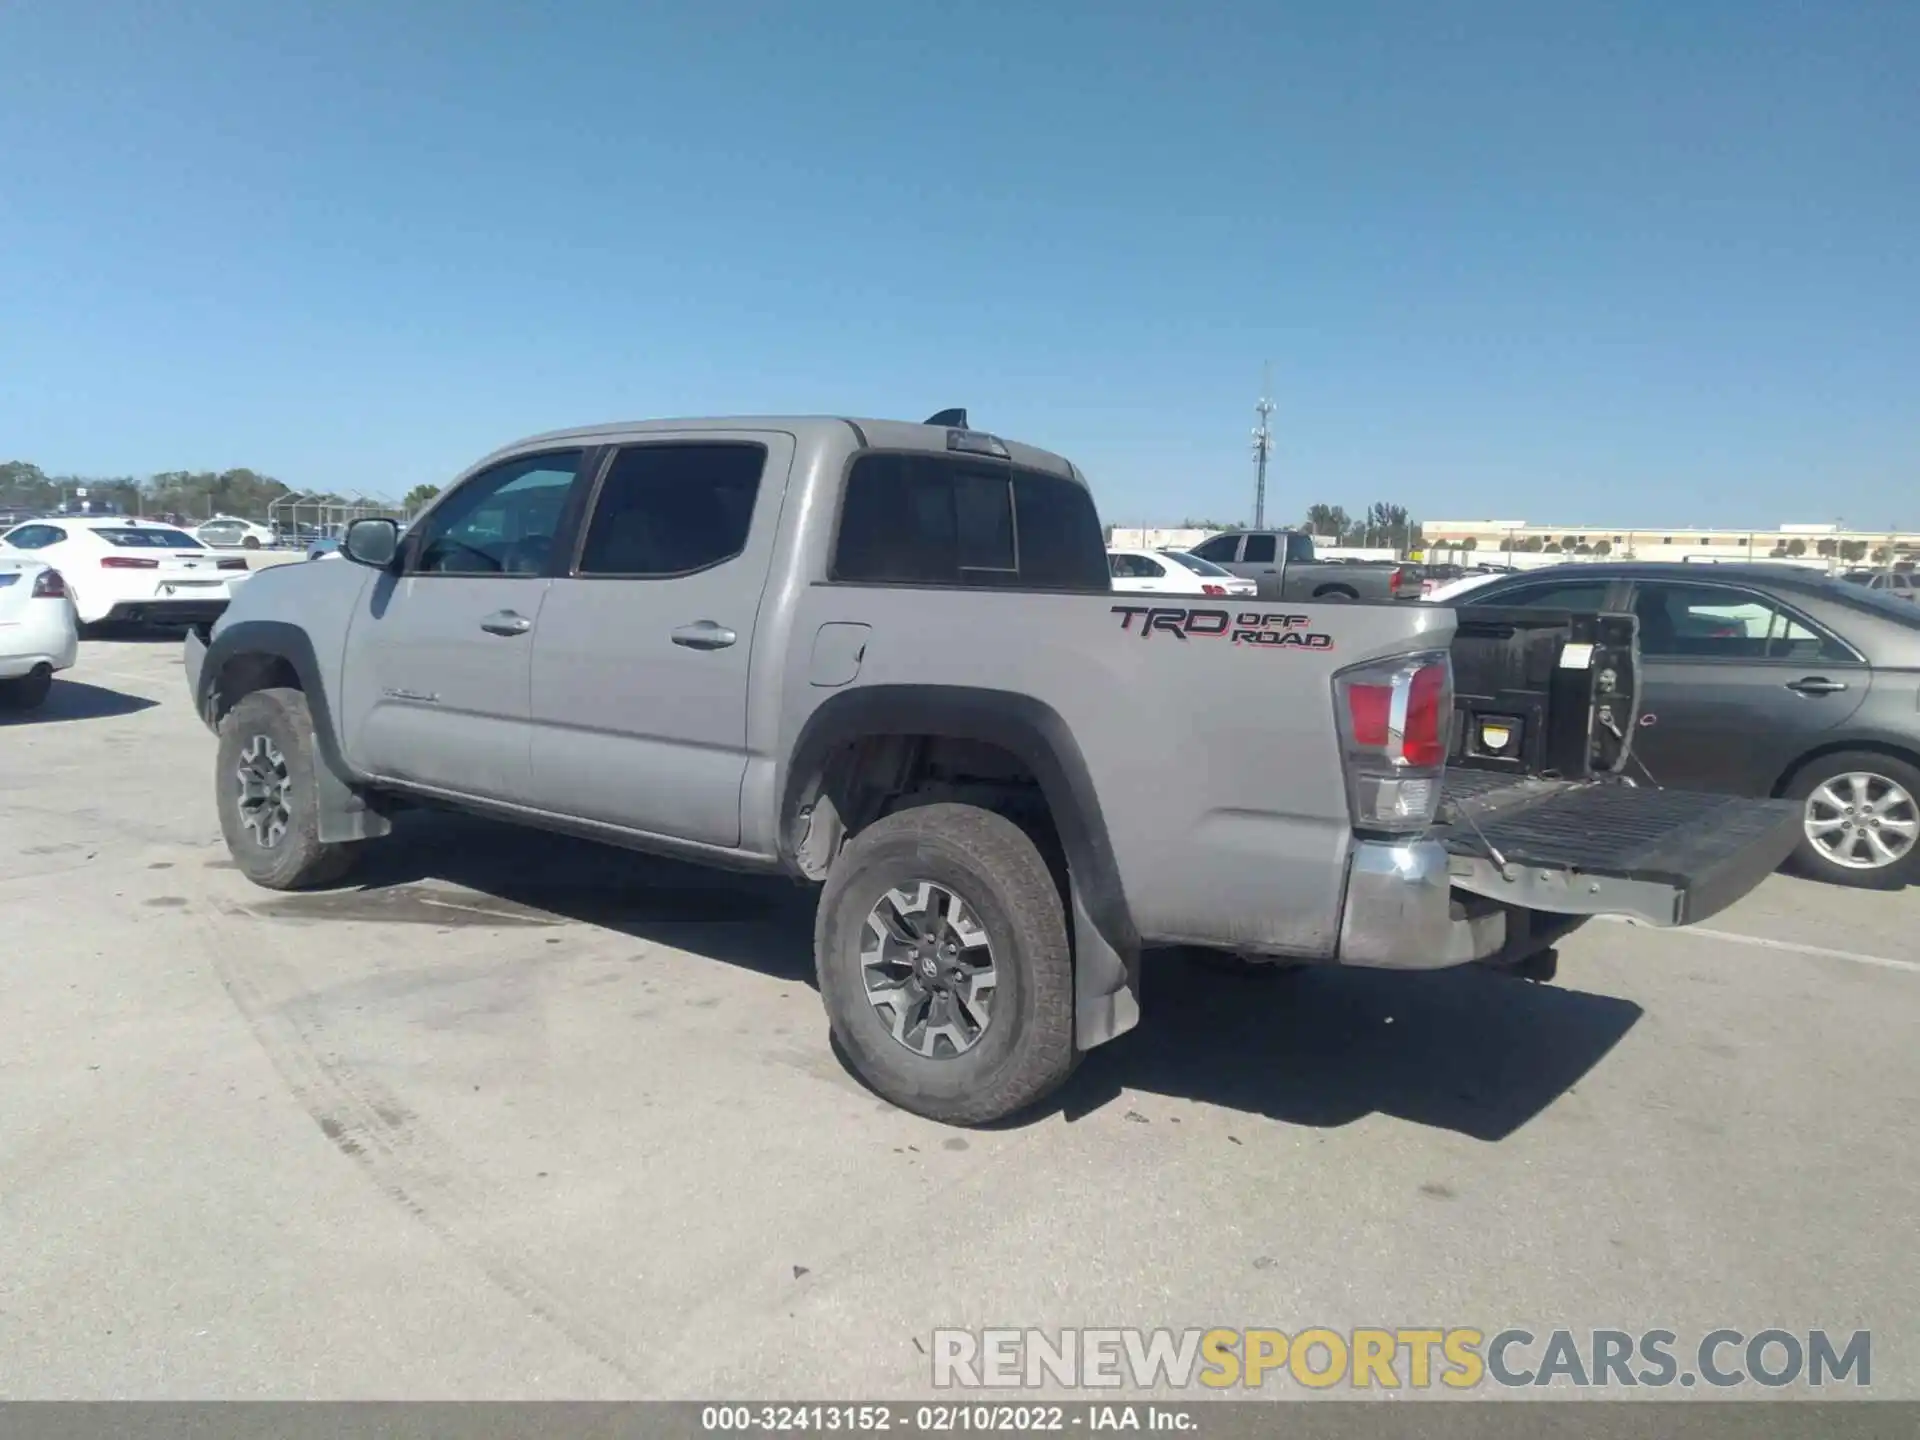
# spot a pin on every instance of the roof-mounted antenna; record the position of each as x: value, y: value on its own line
x: 952, y: 419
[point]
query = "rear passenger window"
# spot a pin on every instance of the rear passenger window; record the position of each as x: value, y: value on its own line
x: 1260, y: 550
x: 1714, y: 622
x: 672, y: 509
x: 925, y: 520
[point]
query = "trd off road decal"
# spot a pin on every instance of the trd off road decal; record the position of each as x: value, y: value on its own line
x: 1271, y: 630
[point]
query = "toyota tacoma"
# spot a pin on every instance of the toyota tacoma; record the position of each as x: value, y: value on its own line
x: 885, y: 659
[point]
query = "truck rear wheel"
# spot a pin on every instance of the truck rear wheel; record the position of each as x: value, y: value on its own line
x: 269, y: 795
x: 941, y: 944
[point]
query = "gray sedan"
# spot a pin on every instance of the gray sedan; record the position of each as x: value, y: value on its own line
x: 1770, y: 680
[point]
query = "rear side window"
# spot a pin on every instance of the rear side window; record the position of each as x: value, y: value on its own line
x: 150, y: 539
x: 1715, y: 622
x: 35, y: 537
x: 1136, y: 567
x: 1260, y: 550
x: 673, y: 509
x: 1196, y: 564
x: 927, y: 520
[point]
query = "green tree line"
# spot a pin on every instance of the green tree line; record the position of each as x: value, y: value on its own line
x: 193, y: 495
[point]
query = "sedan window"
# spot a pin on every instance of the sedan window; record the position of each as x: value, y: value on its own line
x: 35, y: 537
x: 1197, y: 565
x: 1134, y: 567
x: 1721, y: 622
x: 1548, y: 595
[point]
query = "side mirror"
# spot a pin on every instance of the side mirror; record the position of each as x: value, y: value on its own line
x: 371, y: 542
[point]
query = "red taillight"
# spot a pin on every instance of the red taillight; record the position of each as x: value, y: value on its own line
x: 1423, y: 740
x: 1396, y: 721
x: 230, y: 564
x: 127, y: 562
x: 1213, y: 589
x: 1369, y: 707
x: 1393, y: 582
x: 49, y: 585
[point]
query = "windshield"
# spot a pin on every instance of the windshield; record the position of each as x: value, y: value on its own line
x: 1194, y: 562
x: 150, y: 539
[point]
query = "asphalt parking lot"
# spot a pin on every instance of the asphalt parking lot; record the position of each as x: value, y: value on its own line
x: 523, y: 1118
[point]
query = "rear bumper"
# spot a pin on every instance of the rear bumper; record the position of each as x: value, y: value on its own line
x: 197, y: 611
x: 1400, y: 912
x: 47, y: 636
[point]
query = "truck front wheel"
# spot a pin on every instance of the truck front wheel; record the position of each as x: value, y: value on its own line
x: 941, y: 944
x: 268, y: 794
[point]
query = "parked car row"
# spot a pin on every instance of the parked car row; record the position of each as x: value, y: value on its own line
x: 60, y: 575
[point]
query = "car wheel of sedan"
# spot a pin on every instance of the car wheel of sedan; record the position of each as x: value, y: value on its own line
x: 1861, y: 820
x: 28, y: 691
x: 941, y: 944
x: 268, y: 794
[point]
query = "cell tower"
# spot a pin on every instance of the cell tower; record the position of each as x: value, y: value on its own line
x: 1262, y: 448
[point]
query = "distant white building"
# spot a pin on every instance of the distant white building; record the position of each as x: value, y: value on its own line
x: 1832, y: 545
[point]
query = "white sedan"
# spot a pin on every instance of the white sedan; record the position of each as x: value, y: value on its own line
x: 227, y: 532
x: 39, y: 633
x: 1173, y: 572
x: 129, y: 570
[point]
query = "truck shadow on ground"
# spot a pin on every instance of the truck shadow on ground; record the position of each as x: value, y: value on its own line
x: 1466, y: 1050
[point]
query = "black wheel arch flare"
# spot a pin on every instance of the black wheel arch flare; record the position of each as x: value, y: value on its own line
x: 1025, y: 727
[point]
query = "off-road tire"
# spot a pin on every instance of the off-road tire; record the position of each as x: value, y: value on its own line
x: 1026, y: 1050
x: 1810, y: 861
x: 299, y: 860
x: 27, y: 692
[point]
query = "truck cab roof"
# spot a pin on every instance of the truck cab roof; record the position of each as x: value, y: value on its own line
x: 865, y: 434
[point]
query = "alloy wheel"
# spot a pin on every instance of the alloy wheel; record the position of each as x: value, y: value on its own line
x: 1862, y: 821
x: 264, y: 790
x: 929, y: 969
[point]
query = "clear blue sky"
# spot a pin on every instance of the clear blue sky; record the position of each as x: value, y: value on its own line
x: 1625, y: 263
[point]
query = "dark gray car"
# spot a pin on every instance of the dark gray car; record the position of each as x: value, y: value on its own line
x: 1770, y: 680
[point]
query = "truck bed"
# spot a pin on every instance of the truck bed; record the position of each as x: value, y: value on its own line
x: 1669, y: 857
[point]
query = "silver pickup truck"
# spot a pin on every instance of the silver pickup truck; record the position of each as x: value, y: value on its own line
x: 1285, y: 565
x: 884, y: 658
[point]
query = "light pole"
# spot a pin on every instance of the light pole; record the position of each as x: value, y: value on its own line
x: 1262, y: 447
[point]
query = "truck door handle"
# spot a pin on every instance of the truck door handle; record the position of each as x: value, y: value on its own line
x: 506, y: 622
x: 1816, y: 685
x: 704, y: 635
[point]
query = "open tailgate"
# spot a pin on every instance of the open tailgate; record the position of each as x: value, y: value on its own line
x: 1606, y: 847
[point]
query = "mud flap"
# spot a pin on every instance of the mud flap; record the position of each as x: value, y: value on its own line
x: 1106, y: 988
x: 345, y: 814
